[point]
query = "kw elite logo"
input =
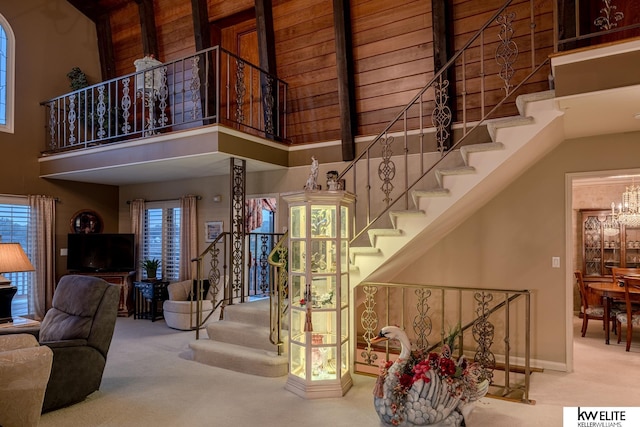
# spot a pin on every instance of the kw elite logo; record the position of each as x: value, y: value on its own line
x: 601, y: 417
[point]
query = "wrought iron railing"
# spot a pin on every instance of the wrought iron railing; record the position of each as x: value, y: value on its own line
x: 582, y: 24
x: 397, y: 159
x: 495, y: 323
x: 211, y: 86
x: 214, y: 265
x: 279, y: 295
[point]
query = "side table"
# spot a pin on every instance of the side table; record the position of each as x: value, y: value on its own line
x: 20, y: 325
x: 148, y: 298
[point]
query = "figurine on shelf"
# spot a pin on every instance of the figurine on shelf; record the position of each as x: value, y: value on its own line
x: 312, y: 181
x: 332, y: 181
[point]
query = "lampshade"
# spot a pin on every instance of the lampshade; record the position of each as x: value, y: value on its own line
x: 13, y: 259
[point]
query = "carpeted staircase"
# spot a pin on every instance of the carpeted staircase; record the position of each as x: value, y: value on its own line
x: 241, y: 342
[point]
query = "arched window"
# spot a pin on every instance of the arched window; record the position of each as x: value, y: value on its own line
x: 7, y: 68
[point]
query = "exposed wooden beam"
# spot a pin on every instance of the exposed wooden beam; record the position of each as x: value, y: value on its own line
x: 90, y: 9
x: 267, y: 57
x: 346, y: 91
x: 443, y: 22
x: 202, y: 36
x: 148, y: 27
x: 100, y: 16
x: 105, y: 48
x: 201, y: 26
x: 266, y: 36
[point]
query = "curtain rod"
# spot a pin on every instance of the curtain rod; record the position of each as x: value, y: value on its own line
x: 19, y: 196
x: 164, y: 200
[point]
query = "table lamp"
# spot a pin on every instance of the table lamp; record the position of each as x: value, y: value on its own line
x: 12, y: 260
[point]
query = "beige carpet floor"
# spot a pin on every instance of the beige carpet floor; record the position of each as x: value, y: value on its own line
x: 150, y: 381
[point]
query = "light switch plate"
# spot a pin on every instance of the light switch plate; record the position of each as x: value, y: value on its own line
x: 555, y: 262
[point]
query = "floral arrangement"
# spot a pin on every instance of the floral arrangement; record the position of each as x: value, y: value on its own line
x: 458, y: 380
x: 318, y: 300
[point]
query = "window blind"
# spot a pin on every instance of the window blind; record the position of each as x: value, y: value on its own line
x: 15, y: 228
x: 162, y: 237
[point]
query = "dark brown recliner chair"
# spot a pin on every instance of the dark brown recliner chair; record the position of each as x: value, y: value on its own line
x: 78, y: 328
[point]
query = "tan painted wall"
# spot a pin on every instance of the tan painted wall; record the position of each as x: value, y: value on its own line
x: 509, y: 242
x: 51, y: 38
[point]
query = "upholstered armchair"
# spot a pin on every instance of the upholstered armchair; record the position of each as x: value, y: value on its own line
x: 179, y: 311
x: 24, y: 373
x: 78, y: 328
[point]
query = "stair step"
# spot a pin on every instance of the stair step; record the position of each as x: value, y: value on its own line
x: 479, y: 148
x: 241, y: 359
x: 376, y: 232
x: 394, y: 215
x: 241, y: 334
x: 252, y: 313
x: 460, y: 170
x: 362, y: 251
x: 434, y: 192
x: 523, y: 100
x: 506, y: 122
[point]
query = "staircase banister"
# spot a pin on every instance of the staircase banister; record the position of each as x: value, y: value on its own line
x: 446, y: 153
x: 436, y: 76
x: 275, y: 249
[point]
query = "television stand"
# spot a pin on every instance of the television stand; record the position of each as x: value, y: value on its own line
x: 125, y: 281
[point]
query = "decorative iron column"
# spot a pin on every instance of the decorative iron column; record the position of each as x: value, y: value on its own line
x: 237, y: 220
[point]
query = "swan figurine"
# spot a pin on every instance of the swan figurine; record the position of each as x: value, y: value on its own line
x: 414, y: 391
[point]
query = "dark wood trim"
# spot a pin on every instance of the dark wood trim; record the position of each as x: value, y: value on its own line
x: 148, y: 28
x: 100, y: 17
x: 443, y: 23
x: 267, y: 55
x: 105, y: 48
x: 266, y: 36
x: 202, y: 36
x: 346, y: 85
x: 91, y: 10
x: 201, y: 29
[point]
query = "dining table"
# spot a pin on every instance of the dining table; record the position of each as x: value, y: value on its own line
x: 610, y: 291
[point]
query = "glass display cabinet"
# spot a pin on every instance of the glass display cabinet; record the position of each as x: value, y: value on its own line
x: 607, y: 244
x: 319, y: 348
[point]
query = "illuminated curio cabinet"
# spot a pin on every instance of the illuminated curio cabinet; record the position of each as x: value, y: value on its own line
x: 319, y: 363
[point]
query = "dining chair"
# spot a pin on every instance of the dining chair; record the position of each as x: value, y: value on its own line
x: 619, y: 272
x: 631, y: 316
x: 590, y: 311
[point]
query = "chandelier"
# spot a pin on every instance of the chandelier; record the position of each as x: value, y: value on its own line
x: 611, y: 227
x: 628, y: 212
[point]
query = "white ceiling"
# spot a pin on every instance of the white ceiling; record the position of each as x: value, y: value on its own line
x: 601, y: 113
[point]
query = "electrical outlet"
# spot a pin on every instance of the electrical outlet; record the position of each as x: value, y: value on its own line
x: 555, y: 262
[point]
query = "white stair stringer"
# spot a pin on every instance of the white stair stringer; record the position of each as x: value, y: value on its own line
x: 517, y: 143
x: 241, y: 342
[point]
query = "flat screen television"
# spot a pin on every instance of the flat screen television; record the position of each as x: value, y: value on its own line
x: 100, y: 252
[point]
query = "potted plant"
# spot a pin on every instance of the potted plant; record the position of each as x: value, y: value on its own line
x: 151, y: 267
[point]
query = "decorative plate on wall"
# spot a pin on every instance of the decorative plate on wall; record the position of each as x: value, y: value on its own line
x: 86, y: 222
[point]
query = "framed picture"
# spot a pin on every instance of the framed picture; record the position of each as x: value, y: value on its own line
x: 86, y: 222
x: 212, y: 229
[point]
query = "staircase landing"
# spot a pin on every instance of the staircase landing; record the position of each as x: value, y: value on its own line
x: 241, y: 343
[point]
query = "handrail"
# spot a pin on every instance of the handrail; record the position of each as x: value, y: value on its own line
x: 213, y: 276
x: 478, y: 310
x: 171, y: 96
x: 279, y: 292
x: 382, y: 143
x: 436, y: 76
x: 217, y: 256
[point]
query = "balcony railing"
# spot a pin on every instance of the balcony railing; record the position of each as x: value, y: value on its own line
x: 495, y: 328
x: 584, y: 23
x: 212, y: 86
